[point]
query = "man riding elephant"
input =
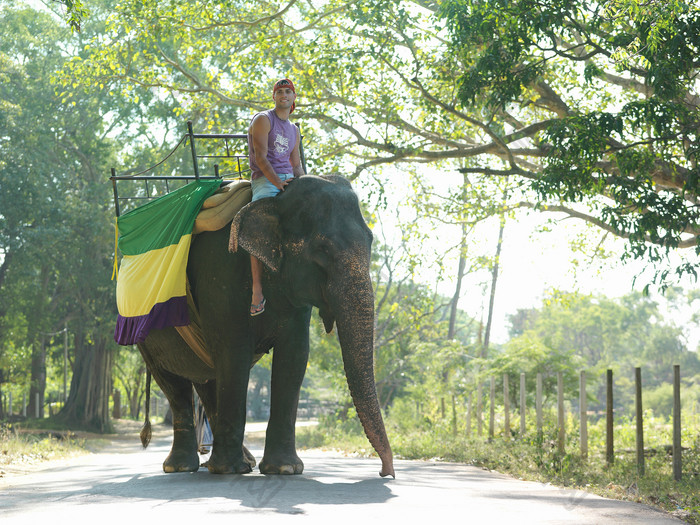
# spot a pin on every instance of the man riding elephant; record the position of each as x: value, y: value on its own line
x: 273, y: 148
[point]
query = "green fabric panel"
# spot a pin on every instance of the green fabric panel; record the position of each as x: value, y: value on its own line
x: 163, y: 221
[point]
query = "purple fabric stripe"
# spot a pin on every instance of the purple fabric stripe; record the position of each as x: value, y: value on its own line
x: 132, y: 330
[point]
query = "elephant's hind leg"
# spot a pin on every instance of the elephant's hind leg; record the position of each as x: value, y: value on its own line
x: 207, y: 393
x: 183, y: 455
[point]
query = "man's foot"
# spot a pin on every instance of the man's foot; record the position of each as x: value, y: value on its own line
x: 257, y: 309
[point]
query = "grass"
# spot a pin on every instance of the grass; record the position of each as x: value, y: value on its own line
x: 537, y: 458
x: 20, y: 449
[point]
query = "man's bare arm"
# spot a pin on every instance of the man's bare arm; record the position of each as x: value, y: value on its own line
x: 295, y: 157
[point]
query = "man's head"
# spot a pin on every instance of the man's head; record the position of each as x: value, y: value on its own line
x: 285, y: 84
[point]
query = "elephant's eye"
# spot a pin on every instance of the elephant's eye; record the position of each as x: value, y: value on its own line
x: 322, y: 252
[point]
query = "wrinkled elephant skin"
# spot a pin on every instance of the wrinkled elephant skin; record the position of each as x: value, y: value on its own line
x: 315, y: 246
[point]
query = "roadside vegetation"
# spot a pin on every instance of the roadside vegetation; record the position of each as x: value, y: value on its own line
x: 536, y: 458
x: 22, y: 448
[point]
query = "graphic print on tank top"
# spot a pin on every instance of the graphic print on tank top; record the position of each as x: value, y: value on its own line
x: 281, y: 144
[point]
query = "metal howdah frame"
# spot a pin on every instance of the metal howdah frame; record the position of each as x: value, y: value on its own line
x: 233, y: 147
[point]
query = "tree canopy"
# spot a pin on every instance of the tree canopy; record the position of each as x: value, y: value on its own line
x: 590, y: 107
x: 604, y: 96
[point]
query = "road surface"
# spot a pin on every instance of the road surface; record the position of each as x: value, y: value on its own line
x: 125, y: 484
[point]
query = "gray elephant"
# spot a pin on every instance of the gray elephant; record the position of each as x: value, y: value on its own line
x: 315, y: 246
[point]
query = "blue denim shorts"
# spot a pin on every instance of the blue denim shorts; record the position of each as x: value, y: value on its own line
x: 263, y: 188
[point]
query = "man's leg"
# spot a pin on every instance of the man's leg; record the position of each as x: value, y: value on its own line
x: 261, y: 188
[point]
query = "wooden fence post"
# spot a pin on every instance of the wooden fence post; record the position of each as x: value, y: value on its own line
x: 640, y: 420
x: 677, y: 466
x: 538, y: 404
x: 492, y: 410
x: 609, y: 447
x: 583, y: 415
x: 522, y: 405
x: 561, y: 422
x: 506, y: 407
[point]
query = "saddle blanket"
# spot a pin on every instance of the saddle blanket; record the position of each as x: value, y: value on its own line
x: 154, y: 240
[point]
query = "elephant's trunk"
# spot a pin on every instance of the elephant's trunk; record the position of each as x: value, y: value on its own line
x: 354, y: 309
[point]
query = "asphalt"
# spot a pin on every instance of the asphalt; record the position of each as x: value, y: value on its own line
x: 124, y: 483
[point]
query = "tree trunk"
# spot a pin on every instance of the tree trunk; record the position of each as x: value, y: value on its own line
x: 494, y: 277
x: 458, y: 288
x: 460, y: 269
x: 37, y: 386
x: 134, y: 394
x: 117, y: 410
x: 3, y: 412
x: 88, y: 401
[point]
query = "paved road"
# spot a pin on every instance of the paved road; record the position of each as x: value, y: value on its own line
x: 125, y: 483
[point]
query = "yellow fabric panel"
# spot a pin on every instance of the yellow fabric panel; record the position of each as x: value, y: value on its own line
x: 151, y: 278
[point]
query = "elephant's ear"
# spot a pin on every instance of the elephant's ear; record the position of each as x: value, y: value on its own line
x: 256, y: 229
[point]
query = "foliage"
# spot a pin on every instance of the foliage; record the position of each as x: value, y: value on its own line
x: 129, y: 377
x: 589, y: 108
x: 542, y: 88
x: 56, y: 217
x: 606, y: 96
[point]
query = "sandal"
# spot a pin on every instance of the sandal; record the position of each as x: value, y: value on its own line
x: 257, y: 309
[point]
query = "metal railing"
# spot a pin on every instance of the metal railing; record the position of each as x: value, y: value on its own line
x: 232, y: 148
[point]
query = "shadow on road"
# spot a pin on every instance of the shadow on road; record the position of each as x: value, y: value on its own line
x: 328, y: 482
x: 282, y: 494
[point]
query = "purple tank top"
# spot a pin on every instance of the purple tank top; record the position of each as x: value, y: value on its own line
x: 280, y: 143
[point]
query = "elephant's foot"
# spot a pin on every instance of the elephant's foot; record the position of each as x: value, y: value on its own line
x: 222, y: 465
x: 281, y: 464
x: 180, y: 461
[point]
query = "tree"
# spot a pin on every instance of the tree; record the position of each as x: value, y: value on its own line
x: 595, y: 103
x: 55, y: 222
x: 30, y: 220
x: 130, y: 372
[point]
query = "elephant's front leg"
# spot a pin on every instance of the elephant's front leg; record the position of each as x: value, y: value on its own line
x: 289, y: 359
x: 234, y: 359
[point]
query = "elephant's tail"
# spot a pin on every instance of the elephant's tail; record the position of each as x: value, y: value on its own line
x: 146, y: 431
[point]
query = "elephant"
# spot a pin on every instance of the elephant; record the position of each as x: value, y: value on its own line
x: 315, y: 247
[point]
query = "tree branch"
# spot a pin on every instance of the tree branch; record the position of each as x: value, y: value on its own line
x: 686, y: 243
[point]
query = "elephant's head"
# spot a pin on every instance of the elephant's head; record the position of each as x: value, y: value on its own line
x: 314, y: 236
